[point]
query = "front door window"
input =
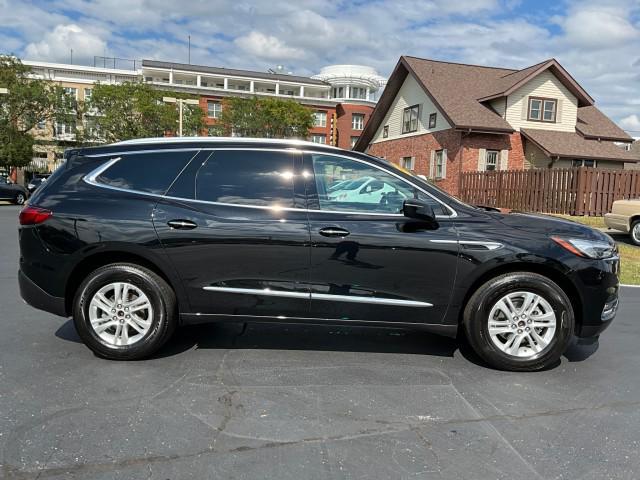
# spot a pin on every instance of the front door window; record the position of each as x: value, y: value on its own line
x: 349, y: 185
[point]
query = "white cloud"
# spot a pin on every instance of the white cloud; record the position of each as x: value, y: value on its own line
x: 631, y: 123
x: 57, y: 44
x: 599, y: 27
x: 267, y: 47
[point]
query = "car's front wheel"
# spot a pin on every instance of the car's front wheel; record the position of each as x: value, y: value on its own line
x: 124, y: 311
x: 519, y: 321
x: 20, y: 198
x: 635, y: 232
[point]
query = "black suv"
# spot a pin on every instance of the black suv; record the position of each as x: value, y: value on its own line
x: 136, y: 238
x: 13, y: 192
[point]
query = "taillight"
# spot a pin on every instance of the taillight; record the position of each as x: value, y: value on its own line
x: 34, y: 215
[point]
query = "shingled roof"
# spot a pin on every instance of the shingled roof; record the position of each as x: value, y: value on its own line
x: 574, y: 145
x: 462, y: 92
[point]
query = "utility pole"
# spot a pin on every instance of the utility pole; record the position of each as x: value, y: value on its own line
x: 189, y: 62
x: 72, y: 56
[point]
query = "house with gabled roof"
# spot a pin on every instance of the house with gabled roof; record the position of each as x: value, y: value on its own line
x: 440, y: 119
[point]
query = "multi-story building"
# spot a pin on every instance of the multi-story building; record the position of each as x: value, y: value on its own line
x: 53, y: 137
x: 341, y: 96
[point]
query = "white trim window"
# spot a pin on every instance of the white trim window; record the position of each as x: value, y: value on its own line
x: 492, y: 161
x: 584, y: 162
x: 438, y: 164
x: 410, y: 119
x: 408, y: 163
x: 319, y: 118
x: 357, y: 121
x: 319, y: 138
x: 214, y: 109
x: 71, y: 91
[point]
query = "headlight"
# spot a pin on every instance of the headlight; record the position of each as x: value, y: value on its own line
x: 587, y: 248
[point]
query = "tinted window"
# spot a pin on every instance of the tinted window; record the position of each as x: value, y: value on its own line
x: 377, y: 191
x: 146, y: 172
x: 247, y: 177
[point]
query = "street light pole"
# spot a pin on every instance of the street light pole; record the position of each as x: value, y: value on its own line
x: 180, y: 102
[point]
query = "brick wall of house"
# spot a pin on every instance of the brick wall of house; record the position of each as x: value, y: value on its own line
x: 462, y: 152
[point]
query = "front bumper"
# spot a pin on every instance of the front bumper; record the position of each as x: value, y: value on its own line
x: 38, y: 298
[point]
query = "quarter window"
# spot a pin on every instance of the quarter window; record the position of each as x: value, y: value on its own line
x: 410, y: 119
x: 348, y: 185
x: 247, y: 177
x: 146, y: 172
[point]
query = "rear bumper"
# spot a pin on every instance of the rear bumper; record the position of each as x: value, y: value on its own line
x: 38, y: 298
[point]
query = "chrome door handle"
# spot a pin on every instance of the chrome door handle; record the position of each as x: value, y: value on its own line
x: 182, y: 224
x: 333, y: 232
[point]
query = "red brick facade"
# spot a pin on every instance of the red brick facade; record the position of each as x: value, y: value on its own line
x: 462, y: 152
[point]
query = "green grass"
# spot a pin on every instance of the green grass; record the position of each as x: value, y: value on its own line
x: 597, y: 222
x: 629, y: 254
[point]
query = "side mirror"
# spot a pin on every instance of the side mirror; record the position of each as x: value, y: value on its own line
x: 414, y: 208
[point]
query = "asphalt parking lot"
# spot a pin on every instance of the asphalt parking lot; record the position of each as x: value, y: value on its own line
x: 298, y: 402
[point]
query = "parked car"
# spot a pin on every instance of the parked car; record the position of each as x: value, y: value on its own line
x: 625, y: 216
x: 136, y: 238
x: 363, y: 190
x: 35, y: 182
x: 13, y: 192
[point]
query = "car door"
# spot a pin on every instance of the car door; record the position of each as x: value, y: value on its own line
x: 5, y: 189
x: 237, y: 234
x: 369, y: 261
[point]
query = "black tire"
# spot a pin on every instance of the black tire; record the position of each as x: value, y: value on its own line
x: 159, y: 293
x: 478, y: 308
x: 634, y: 232
x: 20, y: 198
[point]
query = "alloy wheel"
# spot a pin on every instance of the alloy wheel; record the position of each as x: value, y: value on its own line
x: 20, y: 199
x: 635, y: 233
x: 120, y: 314
x: 522, y: 324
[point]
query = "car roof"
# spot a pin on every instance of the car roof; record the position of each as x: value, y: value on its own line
x: 202, y: 142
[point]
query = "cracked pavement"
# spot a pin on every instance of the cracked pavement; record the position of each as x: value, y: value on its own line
x: 298, y: 402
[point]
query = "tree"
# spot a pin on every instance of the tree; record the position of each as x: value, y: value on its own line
x: 27, y: 102
x: 264, y: 117
x: 135, y: 110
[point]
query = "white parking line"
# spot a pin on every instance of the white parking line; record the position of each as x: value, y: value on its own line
x: 629, y: 286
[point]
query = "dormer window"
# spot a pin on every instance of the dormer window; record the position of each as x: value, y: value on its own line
x: 542, y: 109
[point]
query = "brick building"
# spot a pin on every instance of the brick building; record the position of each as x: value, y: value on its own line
x: 440, y: 119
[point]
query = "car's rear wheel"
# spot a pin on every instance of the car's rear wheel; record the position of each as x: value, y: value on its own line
x: 124, y: 311
x: 20, y: 198
x: 635, y: 232
x: 519, y: 321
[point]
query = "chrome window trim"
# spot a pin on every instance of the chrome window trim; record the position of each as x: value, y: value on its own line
x: 92, y: 176
x: 319, y: 296
x: 489, y: 245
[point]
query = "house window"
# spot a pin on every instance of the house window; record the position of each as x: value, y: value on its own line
x: 385, y: 131
x: 87, y: 94
x: 337, y: 92
x: 354, y: 140
x: 357, y: 121
x: 410, y: 119
x: 214, y: 109
x: 491, y: 160
x: 317, y: 138
x: 320, y: 119
x: 583, y: 162
x: 542, y: 109
x: 72, y: 92
x: 432, y: 120
x: 439, y: 164
x: 407, y: 163
x: 66, y: 128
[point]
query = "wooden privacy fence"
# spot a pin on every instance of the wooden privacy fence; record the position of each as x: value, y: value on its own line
x: 571, y: 191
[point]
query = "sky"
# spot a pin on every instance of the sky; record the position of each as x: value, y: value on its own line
x: 598, y: 42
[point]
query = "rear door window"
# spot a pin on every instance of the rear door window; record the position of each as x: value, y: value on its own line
x: 151, y: 172
x: 247, y: 177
